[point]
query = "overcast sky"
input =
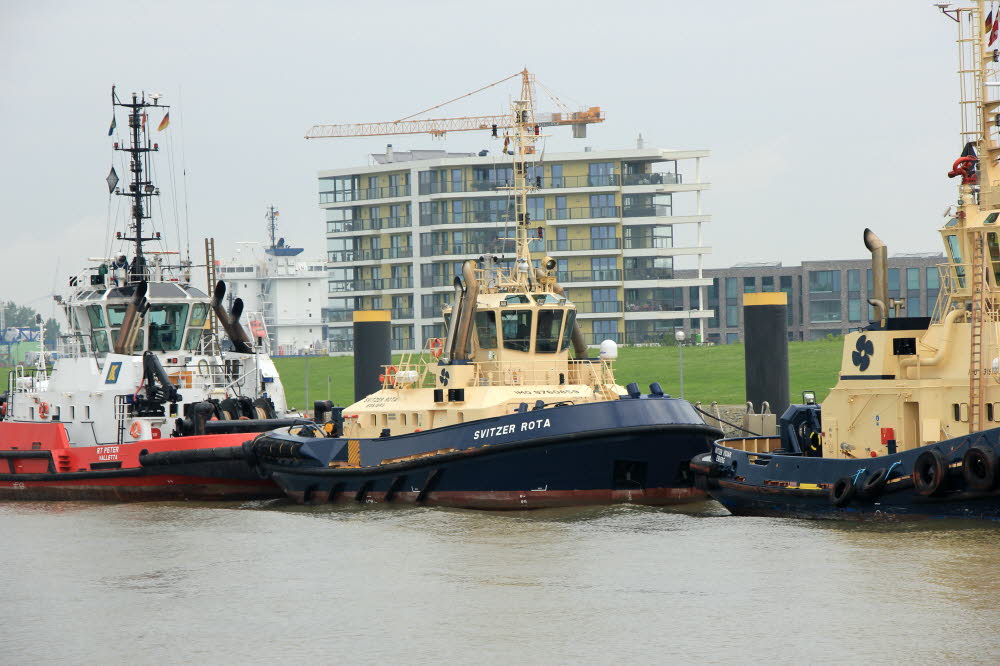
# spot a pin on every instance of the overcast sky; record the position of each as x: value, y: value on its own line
x: 822, y: 118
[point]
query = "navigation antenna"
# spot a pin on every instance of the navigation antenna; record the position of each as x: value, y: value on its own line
x: 141, y: 189
x: 272, y: 224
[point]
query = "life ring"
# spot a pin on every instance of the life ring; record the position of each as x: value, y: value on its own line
x: 43, y: 410
x: 963, y: 167
x: 875, y: 482
x: 135, y: 430
x: 437, y: 347
x: 842, y: 491
x: 979, y: 467
x: 928, y: 473
x: 389, y: 376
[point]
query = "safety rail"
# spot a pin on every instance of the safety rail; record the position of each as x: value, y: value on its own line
x: 421, y: 373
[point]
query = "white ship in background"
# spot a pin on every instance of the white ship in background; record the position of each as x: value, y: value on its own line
x: 282, y: 290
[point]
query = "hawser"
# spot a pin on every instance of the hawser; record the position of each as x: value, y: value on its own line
x: 144, y: 401
x: 909, y: 431
x: 497, y: 415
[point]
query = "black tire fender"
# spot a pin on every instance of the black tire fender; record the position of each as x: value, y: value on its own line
x: 874, y: 483
x: 929, y: 472
x: 842, y: 491
x: 979, y: 467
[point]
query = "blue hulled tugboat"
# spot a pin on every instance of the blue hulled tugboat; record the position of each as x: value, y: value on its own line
x: 497, y: 415
x: 910, y: 430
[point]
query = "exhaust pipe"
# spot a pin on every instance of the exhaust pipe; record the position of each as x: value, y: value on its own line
x: 579, y: 344
x: 880, y: 275
x: 125, y: 333
x: 464, y: 331
x: 456, y: 309
x: 239, y: 338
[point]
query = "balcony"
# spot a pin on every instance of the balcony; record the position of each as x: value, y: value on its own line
x: 437, y: 281
x: 651, y: 210
x: 365, y: 194
x: 578, y: 244
x: 654, y: 306
x: 401, y: 313
x: 581, y: 213
x: 597, y: 338
x: 368, y: 224
x: 651, y: 273
x: 462, y: 249
x: 402, y: 344
x: 379, y: 284
x: 467, y: 217
x: 339, y: 315
x: 558, y: 182
x: 338, y: 256
x: 648, y: 243
x: 341, y: 345
x: 599, y: 275
x: 598, y: 307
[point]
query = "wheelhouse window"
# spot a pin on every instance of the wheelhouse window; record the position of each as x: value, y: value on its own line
x: 549, y: 325
x: 486, y: 329
x: 166, y: 326
x: 96, y: 315
x: 568, y: 329
x: 516, y: 329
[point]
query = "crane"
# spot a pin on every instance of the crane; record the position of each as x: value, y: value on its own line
x: 440, y: 126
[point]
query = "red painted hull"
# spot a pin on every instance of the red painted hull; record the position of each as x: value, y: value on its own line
x: 38, y: 463
x: 516, y: 500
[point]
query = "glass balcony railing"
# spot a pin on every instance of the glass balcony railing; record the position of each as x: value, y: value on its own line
x: 402, y: 313
x: 338, y: 286
x: 336, y: 256
x: 598, y: 307
x: 452, y: 249
x: 402, y: 344
x: 467, y: 217
x: 648, y: 243
x: 575, y: 244
x: 598, y: 338
x: 581, y: 212
x: 341, y: 345
x: 558, y: 182
x: 599, y: 275
x: 368, y: 194
x: 368, y: 224
x: 339, y: 315
x: 437, y: 281
x: 652, y: 210
x: 651, y: 273
x: 654, y: 306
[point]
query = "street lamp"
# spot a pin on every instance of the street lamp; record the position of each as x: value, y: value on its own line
x: 679, y: 337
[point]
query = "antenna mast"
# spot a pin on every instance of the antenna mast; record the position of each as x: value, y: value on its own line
x: 272, y: 225
x: 140, y: 189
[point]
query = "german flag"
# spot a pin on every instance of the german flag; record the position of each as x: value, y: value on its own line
x: 164, y: 123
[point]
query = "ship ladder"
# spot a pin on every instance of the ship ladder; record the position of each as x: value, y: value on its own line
x: 977, y: 379
x: 210, y: 276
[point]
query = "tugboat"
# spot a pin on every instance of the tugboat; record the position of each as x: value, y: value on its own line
x: 910, y: 430
x: 497, y: 415
x: 143, y: 402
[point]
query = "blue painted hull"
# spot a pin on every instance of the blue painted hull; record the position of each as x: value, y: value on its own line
x: 634, y: 450
x: 794, y: 486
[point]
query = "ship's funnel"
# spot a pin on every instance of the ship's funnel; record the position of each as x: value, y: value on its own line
x: 239, y: 338
x: 130, y: 319
x: 880, y: 275
x: 465, y: 315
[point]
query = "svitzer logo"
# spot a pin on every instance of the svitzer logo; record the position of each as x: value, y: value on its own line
x: 865, y: 350
x: 444, y: 377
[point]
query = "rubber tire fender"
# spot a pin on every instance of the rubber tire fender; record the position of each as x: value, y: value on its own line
x: 842, y: 491
x: 874, y: 483
x: 928, y: 473
x: 979, y: 467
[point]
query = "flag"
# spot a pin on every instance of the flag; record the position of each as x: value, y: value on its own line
x: 144, y: 120
x: 111, y: 130
x: 993, y: 33
x: 989, y: 22
x: 164, y: 122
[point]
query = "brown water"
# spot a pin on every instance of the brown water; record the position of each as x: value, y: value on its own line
x: 266, y: 583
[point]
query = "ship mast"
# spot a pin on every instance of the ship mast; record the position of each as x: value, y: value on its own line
x: 272, y: 225
x: 141, y: 189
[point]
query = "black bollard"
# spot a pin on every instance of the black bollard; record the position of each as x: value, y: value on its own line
x: 371, y: 350
x: 765, y: 333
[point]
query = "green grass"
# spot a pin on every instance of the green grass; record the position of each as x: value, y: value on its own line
x: 710, y: 373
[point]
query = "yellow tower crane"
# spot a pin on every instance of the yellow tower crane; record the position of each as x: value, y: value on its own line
x: 440, y: 126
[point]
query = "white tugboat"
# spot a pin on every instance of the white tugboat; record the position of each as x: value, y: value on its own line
x: 146, y: 400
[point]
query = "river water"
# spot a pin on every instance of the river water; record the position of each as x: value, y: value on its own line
x: 272, y: 582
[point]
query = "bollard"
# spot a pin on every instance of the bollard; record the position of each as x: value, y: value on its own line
x: 371, y: 350
x: 766, y: 350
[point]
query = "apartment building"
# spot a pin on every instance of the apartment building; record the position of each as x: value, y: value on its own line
x: 619, y: 224
x: 824, y: 297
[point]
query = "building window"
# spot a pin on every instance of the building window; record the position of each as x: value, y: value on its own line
x: 767, y: 283
x: 605, y: 329
x: 732, y: 338
x: 821, y: 282
x: 854, y: 309
x: 732, y: 316
x: 732, y: 288
x: 749, y: 285
x: 824, y: 311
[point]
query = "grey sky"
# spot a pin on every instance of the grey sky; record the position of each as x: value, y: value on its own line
x: 822, y: 118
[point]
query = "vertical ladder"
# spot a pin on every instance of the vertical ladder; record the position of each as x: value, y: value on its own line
x: 977, y: 379
x: 213, y: 324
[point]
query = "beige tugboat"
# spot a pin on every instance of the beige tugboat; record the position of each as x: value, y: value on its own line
x: 910, y: 429
x: 497, y: 415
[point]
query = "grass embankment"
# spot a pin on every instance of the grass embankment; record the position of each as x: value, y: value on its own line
x: 710, y: 373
